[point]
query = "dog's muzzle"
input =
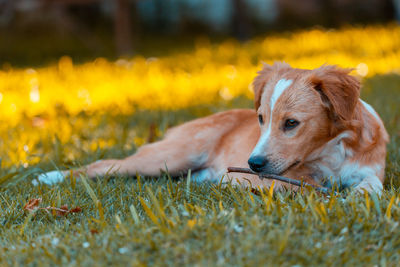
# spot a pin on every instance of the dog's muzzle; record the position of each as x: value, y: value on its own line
x: 263, y: 165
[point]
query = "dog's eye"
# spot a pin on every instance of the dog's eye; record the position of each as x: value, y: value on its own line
x: 291, y: 124
x: 260, y: 119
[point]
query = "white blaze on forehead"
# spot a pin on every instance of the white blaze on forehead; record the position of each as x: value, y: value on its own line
x: 280, y: 87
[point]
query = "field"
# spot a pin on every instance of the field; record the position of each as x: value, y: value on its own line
x: 66, y: 115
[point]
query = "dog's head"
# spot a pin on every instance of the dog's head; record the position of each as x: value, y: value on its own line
x: 299, y: 111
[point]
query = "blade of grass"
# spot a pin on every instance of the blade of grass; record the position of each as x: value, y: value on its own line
x: 93, y: 196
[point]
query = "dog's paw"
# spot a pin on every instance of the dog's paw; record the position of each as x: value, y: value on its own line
x: 369, y: 187
x: 49, y: 178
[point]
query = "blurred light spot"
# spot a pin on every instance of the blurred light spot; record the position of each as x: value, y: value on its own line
x: 123, y: 63
x: 362, y: 69
x: 34, y: 95
x: 38, y: 122
x: 225, y: 93
x: 151, y: 60
x: 85, y: 95
x: 86, y: 244
x: 238, y: 228
x: 185, y: 213
x: 55, y: 241
x: 26, y: 165
x: 26, y: 148
x: 30, y: 71
x: 1, y: 97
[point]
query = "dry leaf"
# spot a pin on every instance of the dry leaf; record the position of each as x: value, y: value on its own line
x: 75, y: 210
x: 62, y: 211
x: 32, y: 205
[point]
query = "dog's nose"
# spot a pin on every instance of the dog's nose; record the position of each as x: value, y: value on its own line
x: 257, y: 163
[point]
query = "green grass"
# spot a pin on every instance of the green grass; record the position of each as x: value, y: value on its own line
x: 164, y: 221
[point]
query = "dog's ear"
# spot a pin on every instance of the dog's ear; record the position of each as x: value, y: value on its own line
x: 259, y: 83
x: 339, y: 91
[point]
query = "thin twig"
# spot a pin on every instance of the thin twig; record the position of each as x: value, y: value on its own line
x: 279, y: 178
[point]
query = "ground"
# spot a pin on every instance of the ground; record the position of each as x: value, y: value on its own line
x: 165, y: 221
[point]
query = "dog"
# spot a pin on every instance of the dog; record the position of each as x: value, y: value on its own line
x: 307, y: 125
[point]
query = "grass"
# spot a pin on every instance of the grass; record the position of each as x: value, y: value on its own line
x: 67, y: 115
x: 163, y: 221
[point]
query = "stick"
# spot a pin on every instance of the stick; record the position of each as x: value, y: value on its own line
x: 279, y: 178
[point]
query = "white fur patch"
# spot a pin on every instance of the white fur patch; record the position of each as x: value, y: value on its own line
x: 353, y: 174
x: 328, y: 161
x: 207, y: 174
x: 332, y: 163
x: 280, y: 87
x: 370, y: 109
x: 49, y: 178
x: 371, y: 184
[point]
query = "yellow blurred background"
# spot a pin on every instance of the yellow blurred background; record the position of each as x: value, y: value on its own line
x: 189, y: 78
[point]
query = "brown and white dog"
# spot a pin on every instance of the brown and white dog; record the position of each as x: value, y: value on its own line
x: 307, y: 124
